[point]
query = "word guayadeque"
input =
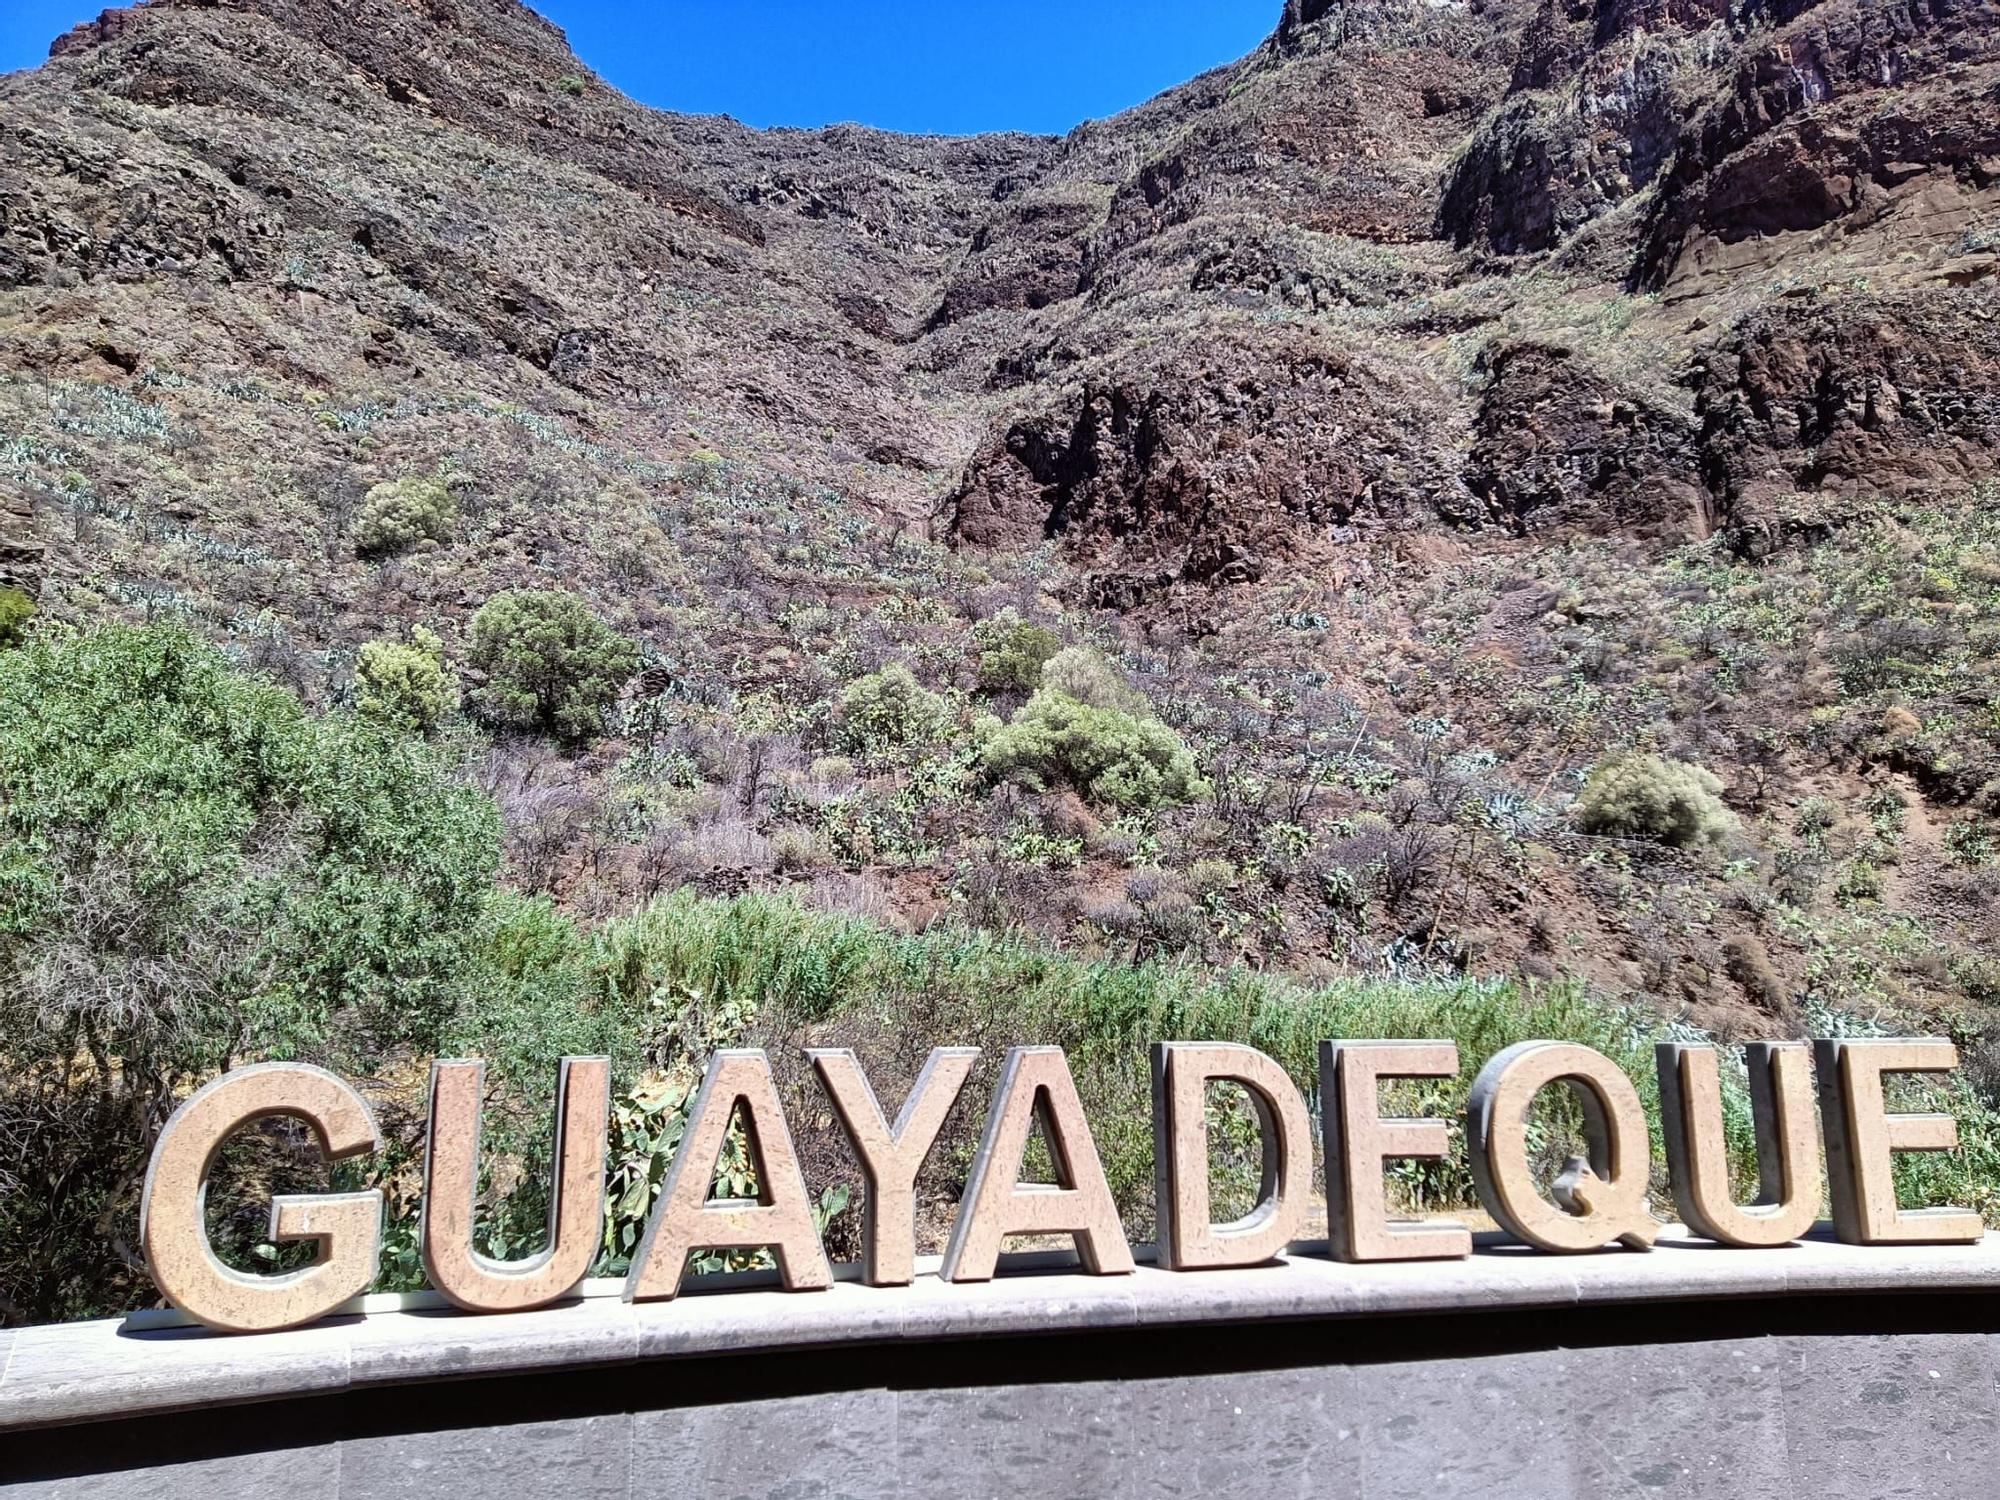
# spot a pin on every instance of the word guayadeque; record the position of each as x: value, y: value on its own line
x: 1599, y: 1200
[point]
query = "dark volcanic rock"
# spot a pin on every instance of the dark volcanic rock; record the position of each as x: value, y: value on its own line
x: 20, y: 554
x: 1243, y: 465
x: 1886, y: 396
x: 1556, y: 445
x: 1821, y: 118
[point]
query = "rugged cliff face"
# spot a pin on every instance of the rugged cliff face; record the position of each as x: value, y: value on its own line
x: 1325, y: 287
x: 1493, y: 365
x: 1568, y: 240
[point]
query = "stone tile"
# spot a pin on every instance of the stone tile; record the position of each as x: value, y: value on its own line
x: 840, y: 1446
x: 1495, y: 1277
x: 1261, y: 1435
x: 1020, y: 1303
x: 730, y: 1322
x: 1702, y: 1420
x: 1893, y: 1417
x: 65, y: 1372
x: 1296, y: 1287
x: 1306, y: 1283
x: 1494, y: 1425
x: 295, y: 1473
x: 1039, y: 1442
x: 416, y: 1345
x: 103, y: 1369
x: 1822, y: 1264
x: 588, y: 1458
x: 1679, y: 1268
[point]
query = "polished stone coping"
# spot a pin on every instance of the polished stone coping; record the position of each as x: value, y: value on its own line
x: 152, y: 1363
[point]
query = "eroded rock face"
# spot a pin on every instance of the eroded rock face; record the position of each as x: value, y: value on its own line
x: 519, y: 230
x: 1887, y: 395
x: 1299, y: 14
x: 1244, y: 466
x: 20, y: 554
x: 1032, y: 256
x: 1782, y: 185
x: 1550, y: 163
x: 1824, y: 119
x: 1557, y: 446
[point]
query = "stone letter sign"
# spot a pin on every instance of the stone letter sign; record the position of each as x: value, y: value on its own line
x: 1598, y: 1200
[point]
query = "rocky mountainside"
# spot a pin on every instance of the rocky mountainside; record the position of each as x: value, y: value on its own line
x: 1422, y: 409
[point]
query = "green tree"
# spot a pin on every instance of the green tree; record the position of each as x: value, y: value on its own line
x: 550, y: 664
x: 1083, y: 674
x: 405, y: 685
x: 1088, y: 729
x: 195, y: 872
x: 1012, y: 652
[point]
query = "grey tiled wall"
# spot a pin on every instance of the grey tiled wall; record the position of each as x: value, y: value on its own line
x: 1819, y: 1417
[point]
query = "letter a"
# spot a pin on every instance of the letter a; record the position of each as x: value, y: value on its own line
x: 780, y: 1219
x: 1036, y: 1081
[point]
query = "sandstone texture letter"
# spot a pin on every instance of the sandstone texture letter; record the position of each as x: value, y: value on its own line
x: 892, y: 1155
x: 346, y: 1226
x: 1781, y: 1100
x: 779, y: 1219
x: 1601, y: 1197
x: 1359, y: 1142
x: 1862, y: 1137
x: 475, y: 1282
x: 1182, y: 1072
x: 1035, y: 1082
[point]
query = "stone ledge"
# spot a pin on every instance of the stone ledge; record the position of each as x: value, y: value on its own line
x: 152, y: 1363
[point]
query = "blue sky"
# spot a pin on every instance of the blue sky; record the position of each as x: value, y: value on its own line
x: 950, y: 66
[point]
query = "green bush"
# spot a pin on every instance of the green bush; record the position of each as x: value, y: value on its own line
x: 1012, y: 652
x: 1083, y: 674
x: 405, y: 685
x: 1634, y: 795
x: 398, y: 515
x: 549, y: 663
x: 1109, y: 755
x: 196, y: 872
x: 891, y: 710
x: 17, y: 612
